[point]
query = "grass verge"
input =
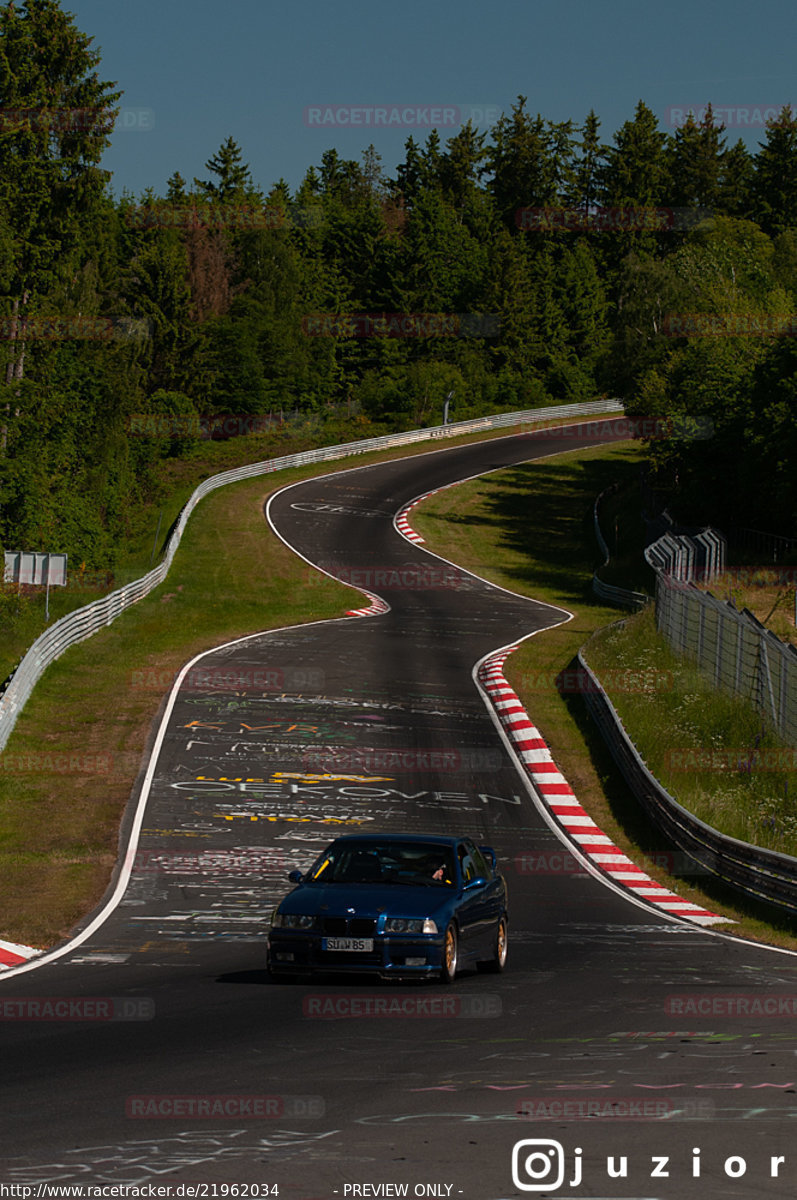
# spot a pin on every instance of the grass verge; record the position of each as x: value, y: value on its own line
x: 717, y: 760
x: 767, y: 592
x: 529, y: 529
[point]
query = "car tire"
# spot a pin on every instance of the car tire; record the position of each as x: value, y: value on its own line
x: 497, y: 963
x: 448, y: 969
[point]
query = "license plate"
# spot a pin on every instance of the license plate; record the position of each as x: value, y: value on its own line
x: 361, y: 945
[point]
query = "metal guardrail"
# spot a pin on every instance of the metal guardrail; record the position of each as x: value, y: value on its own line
x: 761, y: 874
x: 623, y: 597
x: 83, y: 622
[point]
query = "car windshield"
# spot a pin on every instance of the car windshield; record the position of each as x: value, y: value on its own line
x: 412, y: 863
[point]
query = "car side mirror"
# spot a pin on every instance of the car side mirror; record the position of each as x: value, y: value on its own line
x: 296, y: 877
x: 479, y: 881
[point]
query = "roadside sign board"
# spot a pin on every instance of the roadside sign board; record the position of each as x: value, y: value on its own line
x: 43, y: 569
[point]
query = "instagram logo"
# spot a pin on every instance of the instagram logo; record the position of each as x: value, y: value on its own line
x: 538, y: 1165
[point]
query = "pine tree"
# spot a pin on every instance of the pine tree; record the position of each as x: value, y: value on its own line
x: 175, y: 189
x: 736, y: 181
x: 561, y: 150
x: 233, y: 182
x: 432, y: 159
x: 695, y: 159
x: 409, y: 180
x: 636, y: 170
x: 372, y: 173
x: 775, y: 180
x: 57, y: 119
x: 524, y: 173
x: 586, y: 191
x: 461, y: 164
x: 159, y: 289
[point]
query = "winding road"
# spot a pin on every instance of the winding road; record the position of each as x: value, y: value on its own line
x: 634, y: 1054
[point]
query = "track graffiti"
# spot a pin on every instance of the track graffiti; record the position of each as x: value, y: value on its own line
x: 142, y: 1160
x: 330, y: 789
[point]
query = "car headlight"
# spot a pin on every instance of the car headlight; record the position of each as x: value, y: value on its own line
x: 410, y: 925
x: 291, y: 921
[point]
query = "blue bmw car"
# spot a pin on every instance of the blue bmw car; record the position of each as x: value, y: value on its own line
x: 397, y: 906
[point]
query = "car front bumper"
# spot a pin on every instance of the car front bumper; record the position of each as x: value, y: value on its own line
x: 294, y: 953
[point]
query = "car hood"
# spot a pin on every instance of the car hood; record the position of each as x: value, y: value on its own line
x: 367, y: 900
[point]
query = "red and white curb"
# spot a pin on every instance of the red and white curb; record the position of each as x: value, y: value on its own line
x: 403, y: 525
x: 377, y: 605
x: 11, y: 955
x: 556, y: 793
x: 402, y: 520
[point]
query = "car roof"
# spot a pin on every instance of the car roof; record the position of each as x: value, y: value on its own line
x: 441, y: 839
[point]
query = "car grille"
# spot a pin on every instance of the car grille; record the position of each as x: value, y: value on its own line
x: 348, y: 927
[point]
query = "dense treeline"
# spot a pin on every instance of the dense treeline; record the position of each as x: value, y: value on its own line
x: 534, y: 263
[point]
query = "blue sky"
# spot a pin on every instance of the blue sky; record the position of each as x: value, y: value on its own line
x: 197, y: 71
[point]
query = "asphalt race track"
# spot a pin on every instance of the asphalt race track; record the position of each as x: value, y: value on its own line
x: 647, y: 1057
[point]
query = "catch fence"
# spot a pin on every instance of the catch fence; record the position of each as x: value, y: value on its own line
x: 733, y: 649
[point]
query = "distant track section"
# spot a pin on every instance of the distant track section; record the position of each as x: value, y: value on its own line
x: 81, y: 624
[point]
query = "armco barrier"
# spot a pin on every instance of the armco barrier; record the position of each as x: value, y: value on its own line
x: 82, y: 623
x: 761, y: 874
x: 608, y: 591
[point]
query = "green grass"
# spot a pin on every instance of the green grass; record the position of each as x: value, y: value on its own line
x: 717, y: 760
x: 529, y: 528
x: 538, y: 518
